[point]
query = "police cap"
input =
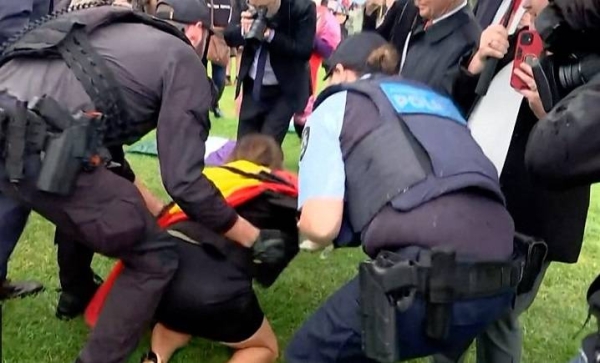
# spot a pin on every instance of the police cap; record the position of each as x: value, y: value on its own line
x: 354, y: 52
x: 184, y: 12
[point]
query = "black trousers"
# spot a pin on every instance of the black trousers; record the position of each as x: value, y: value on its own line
x: 271, y: 116
x: 75, y: 258
x: 108, y: 215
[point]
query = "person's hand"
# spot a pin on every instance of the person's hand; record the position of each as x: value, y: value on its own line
x: 493, y: 44
x: 269, y: 247
x: 525, y: 21
x: 372, y: 5
x: 268, y: 32
x: 525, y: 74
x: 246, y: 21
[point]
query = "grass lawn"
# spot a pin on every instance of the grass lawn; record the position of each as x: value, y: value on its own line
x: 31, y: 333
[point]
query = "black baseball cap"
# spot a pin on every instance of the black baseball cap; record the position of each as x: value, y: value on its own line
x: 184, y: 12
x: 354, y: 52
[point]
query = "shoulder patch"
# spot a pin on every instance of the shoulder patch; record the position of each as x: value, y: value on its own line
x: 304, y: 143
x: 407, y: 99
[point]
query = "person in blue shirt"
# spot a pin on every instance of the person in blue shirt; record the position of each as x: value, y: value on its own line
x: 14, y: 16
x: 390, y: 165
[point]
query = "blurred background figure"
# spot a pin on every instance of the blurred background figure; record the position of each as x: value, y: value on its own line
x: 341, y: 15
x: 217, y: 52
x: 274, y: 79
x: 327, y: 38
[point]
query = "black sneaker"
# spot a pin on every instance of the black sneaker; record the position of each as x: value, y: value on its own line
x: 18, y: 289
x: 217, y: 112
x: 71, y: 305
x: 150, y: 357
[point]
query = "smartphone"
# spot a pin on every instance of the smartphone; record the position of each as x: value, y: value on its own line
x: 529, y: 47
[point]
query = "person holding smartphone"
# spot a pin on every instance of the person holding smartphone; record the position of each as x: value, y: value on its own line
x: 557, y: 217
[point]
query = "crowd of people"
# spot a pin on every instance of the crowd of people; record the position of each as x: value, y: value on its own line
x: 458, y: 238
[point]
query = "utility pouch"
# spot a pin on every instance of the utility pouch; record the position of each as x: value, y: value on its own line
x: 533, y: 253
x: 441, y: 294
x: 378, y: 315
x: 14, y: 146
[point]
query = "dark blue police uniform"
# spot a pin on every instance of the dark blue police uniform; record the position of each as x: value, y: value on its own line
x: 350, y: 151
x: 14, y: 16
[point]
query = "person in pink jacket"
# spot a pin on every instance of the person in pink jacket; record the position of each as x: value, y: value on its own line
x: 327, y: 38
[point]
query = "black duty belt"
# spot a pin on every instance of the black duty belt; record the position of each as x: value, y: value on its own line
x: 441, y: 271
x: 390, y: 283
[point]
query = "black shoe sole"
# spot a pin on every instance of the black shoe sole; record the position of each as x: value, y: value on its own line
x: 22, y: 295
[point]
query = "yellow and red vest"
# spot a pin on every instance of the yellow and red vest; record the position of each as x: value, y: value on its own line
x: 239, y: 182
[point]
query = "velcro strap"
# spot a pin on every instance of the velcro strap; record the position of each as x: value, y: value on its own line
x: 481, y: 280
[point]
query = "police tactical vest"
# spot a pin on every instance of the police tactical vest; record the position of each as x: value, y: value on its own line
x: 64, y: 34
x: 421, y: 150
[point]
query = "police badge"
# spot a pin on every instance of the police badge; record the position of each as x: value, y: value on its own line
x: 304, y: 143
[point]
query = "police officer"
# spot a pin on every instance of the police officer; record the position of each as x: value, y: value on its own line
x: 390, y: 165
x: 55, y: 162
x: 15, y: 15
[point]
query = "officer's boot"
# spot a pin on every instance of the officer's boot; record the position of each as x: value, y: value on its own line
x: 73, y: 303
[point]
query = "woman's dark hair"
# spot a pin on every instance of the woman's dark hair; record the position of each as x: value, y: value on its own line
x: 259, y: 149
x: 384, y: 59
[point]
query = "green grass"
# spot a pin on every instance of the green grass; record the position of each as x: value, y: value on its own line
x: 32, y: 333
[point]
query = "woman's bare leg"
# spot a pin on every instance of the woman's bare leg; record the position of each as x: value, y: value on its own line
x: 153, y: 204
x: 260, y: 348
x: 165, y: 342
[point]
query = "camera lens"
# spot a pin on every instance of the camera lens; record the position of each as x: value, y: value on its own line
x: 526, y: 39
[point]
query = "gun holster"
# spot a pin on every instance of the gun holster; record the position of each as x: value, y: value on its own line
x: 378, y: 311
x: 390, y: 284
x: 66, y: 143
x: 532, y: 252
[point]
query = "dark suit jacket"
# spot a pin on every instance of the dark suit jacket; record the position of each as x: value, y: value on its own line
x: 434, y: 55
x: 397, y: 23
x: 295, y: 25
x: 557, y: 216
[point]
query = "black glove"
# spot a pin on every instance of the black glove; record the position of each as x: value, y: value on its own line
x: 269, y: 248
x: 271, y: 253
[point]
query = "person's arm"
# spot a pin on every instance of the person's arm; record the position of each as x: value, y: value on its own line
x: 233, y: 31
x: 321, y: 174
x: 328, y: 38
x: 182, y: 130
x: 563, y: 149
x: 154, y: 204
x: 462, y: 80
x: 299, y: 46
x: 323, y: 48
